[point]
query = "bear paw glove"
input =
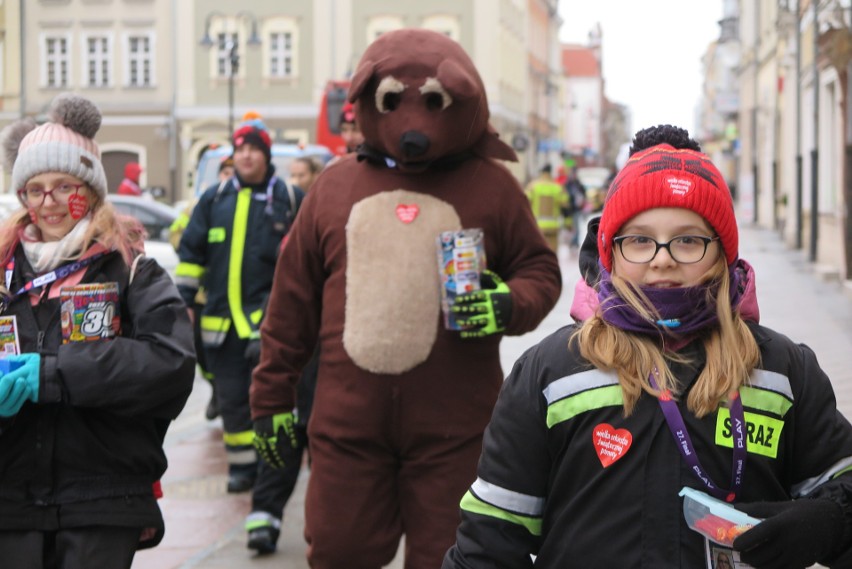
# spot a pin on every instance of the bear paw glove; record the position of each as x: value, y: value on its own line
x: 484, y: 312
x: 20, y: 384
x: 793, y: 534
x: 275, y: 439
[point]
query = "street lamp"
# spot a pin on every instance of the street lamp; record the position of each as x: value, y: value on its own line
x: 231, y: 47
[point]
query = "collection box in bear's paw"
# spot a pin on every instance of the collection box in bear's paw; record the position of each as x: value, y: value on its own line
x: 461, y: 260
x: 89, y: 312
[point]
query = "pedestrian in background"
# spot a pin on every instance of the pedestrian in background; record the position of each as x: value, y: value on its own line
x: 226, y: 172
x: 231, y: 244
x: 303, y: 172
x: 129, y: 186
x: 668, y: 384
x: 547, y: 199
x: 84, y: 405
x: 350, y: 132
x: 573, y: 205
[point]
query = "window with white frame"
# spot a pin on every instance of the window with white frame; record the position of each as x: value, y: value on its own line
x: 225, y: 42
x: 280, y: 54
x: 280, y: 48
x: 140, y: 60
x: 445, y: 24
x: 55, y: 60
x: 98, y: 61
x: 379, y: 25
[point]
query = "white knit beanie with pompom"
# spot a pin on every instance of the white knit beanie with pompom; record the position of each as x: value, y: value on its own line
x: 63, y: 144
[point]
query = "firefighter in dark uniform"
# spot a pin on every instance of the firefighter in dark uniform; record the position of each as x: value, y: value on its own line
x: 231, y: 243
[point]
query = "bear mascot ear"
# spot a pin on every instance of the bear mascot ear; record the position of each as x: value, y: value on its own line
x: 362, y: 76
x: 456, y: 80
x: 489, y: 145
x: 461, y: 85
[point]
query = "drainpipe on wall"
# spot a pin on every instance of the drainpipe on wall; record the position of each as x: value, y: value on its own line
x: 812, y: 256
x: 799, y: 187
x: 23, y: 98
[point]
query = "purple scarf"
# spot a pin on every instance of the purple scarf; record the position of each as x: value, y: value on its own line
x: 682, y: 310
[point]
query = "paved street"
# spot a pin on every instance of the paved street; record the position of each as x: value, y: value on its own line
x: 204, y: 524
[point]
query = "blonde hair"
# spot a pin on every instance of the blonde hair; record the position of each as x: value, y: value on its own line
x: 731, y: 350
x: 108, y: 228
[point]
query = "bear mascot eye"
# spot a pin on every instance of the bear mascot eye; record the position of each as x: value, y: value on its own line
x: 437, y: 98
x: 389, y: 94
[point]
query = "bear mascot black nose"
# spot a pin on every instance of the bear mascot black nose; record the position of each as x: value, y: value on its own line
x: 413, y: 144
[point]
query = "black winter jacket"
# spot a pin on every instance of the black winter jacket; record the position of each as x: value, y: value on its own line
x: 230, y: 245
x: 542, y: 488
x: 89, y: 451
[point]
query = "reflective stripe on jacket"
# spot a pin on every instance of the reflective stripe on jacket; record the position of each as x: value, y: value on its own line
x: 231, y: 245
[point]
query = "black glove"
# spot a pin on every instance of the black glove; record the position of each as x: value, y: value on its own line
x: 793, y: 534
x: 252, y: 353
x: 276, y: 441
x: 484, y: 312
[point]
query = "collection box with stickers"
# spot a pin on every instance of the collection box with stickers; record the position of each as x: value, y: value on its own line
x: 89, y: 312
x: 461, y: 260
x: 720, y: 523
x: 9, y: 344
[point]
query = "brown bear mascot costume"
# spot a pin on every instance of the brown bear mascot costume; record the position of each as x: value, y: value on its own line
x: 401, y: 402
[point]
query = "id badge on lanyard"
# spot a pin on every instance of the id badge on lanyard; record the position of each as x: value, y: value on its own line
x: 721, y: 557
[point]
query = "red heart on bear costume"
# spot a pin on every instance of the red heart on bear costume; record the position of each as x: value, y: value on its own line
x: 407, y: 213
x: 610, y: 443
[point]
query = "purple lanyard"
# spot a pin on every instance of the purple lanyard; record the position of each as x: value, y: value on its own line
x: 674, y: 420
x: 47, y: 278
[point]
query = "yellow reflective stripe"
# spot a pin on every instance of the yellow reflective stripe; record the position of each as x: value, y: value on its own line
x: 256, y: 316
x: 180, y: 222
x: 216, y: 235
x: 215, y: 323
x: 189, y: 270
x: 471, y: 503
x: 765, y: 400
x: 565, y: 409
x: 243, y: 438
x: 235, y: 269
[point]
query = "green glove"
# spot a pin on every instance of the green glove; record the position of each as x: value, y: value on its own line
x: 484, y: 312
x: 275, y: 439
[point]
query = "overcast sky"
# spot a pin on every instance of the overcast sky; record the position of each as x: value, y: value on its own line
x: 652, y: 52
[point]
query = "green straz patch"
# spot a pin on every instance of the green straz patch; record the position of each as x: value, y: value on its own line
x: 762, y: 433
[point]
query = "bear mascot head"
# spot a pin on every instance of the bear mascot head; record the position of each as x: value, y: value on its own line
x: 419, y: 100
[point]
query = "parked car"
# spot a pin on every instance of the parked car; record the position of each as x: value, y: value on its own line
x: 207, y: 172
x: 157, y: 218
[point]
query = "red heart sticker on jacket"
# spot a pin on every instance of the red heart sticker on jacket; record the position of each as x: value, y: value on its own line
x: 407, y: 213
x: 610, y: 443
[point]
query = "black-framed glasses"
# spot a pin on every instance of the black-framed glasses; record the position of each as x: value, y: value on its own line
x: 35, y: 194
x: 684, y: 249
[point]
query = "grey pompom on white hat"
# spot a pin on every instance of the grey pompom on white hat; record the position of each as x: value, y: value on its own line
x: 63, y: 144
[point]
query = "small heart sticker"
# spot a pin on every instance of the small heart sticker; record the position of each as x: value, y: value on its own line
x: 77, y: 206
x: 610, y: 443
x: 407, y: 213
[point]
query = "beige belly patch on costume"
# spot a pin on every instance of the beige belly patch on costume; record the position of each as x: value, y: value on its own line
x: 393, y: 296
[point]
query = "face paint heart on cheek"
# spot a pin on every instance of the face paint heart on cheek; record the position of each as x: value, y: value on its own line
x: 33, y: 215
x: 77, y: 206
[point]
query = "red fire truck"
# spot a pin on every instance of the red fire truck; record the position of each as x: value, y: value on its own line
x: 328, y: 121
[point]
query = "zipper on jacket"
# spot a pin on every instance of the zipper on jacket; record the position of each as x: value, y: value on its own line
x: 40, y: 340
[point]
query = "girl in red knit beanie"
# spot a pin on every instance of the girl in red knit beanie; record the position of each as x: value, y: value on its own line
x: 668, y: 385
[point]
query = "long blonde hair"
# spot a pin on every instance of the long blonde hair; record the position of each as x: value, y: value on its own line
x: 107, y: 228
x: 731, y: 350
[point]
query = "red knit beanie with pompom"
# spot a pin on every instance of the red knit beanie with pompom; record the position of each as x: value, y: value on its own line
x: 663, y: 176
